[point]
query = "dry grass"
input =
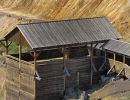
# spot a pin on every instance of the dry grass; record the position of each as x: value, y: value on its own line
x: 64, y: 9
x: 7, y: 24
x: 117, y: 12
x: 2, y: 96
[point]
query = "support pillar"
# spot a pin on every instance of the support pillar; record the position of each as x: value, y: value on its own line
x: 65, y: 57
x: 105, y: 60
x: 6, y: 53
x: 91, y: 62
x: 105, y: 56
x: 35, y: 59
x: 6, y: 47
x: 124, y: 59
x: 20, y: 57
x: 114, y: 59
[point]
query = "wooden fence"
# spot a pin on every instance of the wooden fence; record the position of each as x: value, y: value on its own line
x: 20, y: 83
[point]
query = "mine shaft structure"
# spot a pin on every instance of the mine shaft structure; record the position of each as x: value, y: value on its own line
x: 56, y: 55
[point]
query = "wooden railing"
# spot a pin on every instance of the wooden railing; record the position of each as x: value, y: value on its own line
x: 25, y: 67
x: 119, y: 66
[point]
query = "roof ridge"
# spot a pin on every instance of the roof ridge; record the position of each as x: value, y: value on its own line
x: 61, y: 20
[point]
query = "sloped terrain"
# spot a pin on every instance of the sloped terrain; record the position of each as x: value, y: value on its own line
x: 118, y: 90
x: 63, y: 9
x: 19, y: 11
x: 7, y: 24
x: 117, y: 11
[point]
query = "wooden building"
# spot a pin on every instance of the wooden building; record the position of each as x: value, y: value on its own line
x: 120, y: 53
x: 59, y: 55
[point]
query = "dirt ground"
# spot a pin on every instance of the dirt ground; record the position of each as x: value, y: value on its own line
x: 117, y: 90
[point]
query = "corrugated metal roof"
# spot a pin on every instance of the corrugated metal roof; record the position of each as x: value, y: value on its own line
x: 60, y: 33
x: 117, y: 46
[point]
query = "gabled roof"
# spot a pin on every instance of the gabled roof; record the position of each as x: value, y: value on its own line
x: 66, y: 32
x: 117, y: 46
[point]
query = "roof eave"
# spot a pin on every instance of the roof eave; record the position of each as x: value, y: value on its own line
x: 69, y: 45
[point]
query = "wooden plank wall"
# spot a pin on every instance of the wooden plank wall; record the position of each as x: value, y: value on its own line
x: 75, y: 52
x: 19, y: 81
x: 78, y: 67
x: 51, y: 86
x: 52, y: 83
x: 20, y: 84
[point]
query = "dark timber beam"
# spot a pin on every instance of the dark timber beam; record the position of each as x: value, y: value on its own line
x: 122, y: 72
x: 65, y: 57
x: 6, y: 47
x: 91, y: 61
x: 93, y: 68
x: 78, y: 78
x: 96, y: 45
x: 37, y: 54
x: 91, y: 51
x: 5, y: 44
x: 105, y: 59
x: 124, y: 59
x: 114, y: 58
x: 112, y: 68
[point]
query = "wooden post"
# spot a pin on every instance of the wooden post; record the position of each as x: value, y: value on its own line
x: 65, y: 57
x: 35, y: 59
x: 65, y: 54
x: 113, y: 67
x: 6, y: 51
x: 78, y: 78
x: 20, y: 56
x: 114, y: 59
x: 124, y: 59
x: 91, y: 61
x: 64, y: 83
x: 89, y: 51
x: 105, y: 56
x: 105, y: 59
x: 35, y: 56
